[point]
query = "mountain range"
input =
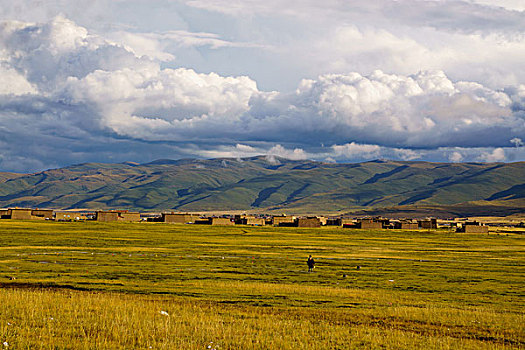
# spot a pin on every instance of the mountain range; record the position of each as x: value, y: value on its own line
x: 273, y: 184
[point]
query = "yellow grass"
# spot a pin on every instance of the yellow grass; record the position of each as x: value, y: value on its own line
x: 44, y: 319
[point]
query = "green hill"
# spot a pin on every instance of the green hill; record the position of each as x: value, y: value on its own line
x: 259, y: 183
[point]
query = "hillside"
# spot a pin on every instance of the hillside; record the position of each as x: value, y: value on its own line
x: 259, y: 183
x: 8, y: 176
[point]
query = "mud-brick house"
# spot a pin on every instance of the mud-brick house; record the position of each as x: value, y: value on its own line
x: 309, y: 222
x: 349, y: 223
x: 26, y: 214
x: 216, y: 221
x: 117, y: 215
x: 179, y: 218
x: 405, y: 225
x: 473, y: 227
x: 221, y: 221
x: 65, y: 216
x: 106, y: 216
x: 17, y: 214
x: 42, y: 214
x: 369, y: 224
x: 346, y: 223
x: 334, y: 222
x: 4, y: 213
x: 249, y: 220
x: 283, y: 220
x: 255, y: 221
x: 203, y: 221
x: 385, y: 223
x: 128, y: 216
x: 427, y: 224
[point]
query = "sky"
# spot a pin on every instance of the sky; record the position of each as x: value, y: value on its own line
x: 333, y: 80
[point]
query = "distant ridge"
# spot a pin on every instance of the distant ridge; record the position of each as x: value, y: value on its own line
x: 170, y: 161
x: 276, y: 184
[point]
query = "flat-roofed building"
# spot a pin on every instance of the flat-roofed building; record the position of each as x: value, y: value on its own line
x: 405, y: 225
x: 26, y: 214
x: 129, y: 216
x: 19, y: 214
x: 117, y: 215
x: 286, y: 220
x: 179, y: 218
x: 476, y: 229
x: 222, y: 221
x: 249, y: 220
x: 42, y: 214
x: 334, y: 222
x: 350, y: 223
x: 428, y: 224
x: 473, y: 227
x: 369, y: 224
x: 309, y: 222
x: 385, y: 223
x: 65, y: 215
x: 254, y: 221
x: 347, y: 221
x: 106, y: 216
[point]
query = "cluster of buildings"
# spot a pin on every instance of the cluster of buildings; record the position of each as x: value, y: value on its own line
x: 57, y: 215
x: 228, y: 220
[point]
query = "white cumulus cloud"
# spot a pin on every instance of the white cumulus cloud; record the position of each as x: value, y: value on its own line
x: 455, y: 157
x: 91, y: 97
x: 497, y: 155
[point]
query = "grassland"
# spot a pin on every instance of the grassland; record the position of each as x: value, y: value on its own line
x: 97, y: 286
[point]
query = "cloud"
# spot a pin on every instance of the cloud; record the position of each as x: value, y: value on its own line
x: 353, y: 152
x: 455, y: 157
x: 242, y: 151
x: 497, y: 155
x: 226, y: 151
x: 515, y: 5
x: 517, y: 142
x: 490, y: 58
x: 284, y: 41
x: 424, y: 110
x: 159, y: 45
x: 162, y: 104
x: 48, y: 54
x: 18, y: 84
x: 295, y: 154
x: 360, y: 152
x: 470, y: 40
x: 455, y: 15
x: 75, y: 96
x: 357, y: 151
x: 148, y: 44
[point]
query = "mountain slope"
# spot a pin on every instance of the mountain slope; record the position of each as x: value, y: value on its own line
x: 261, y: 183
x: 8, y: 176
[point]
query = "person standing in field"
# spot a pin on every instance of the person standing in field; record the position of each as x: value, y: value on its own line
x: 311, y: 263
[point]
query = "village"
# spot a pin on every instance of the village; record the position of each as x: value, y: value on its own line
x: 371, y: 223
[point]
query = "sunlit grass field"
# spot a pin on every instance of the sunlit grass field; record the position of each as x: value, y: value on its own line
x: 91, y: 285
